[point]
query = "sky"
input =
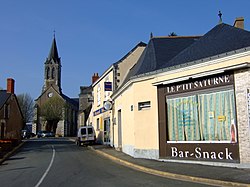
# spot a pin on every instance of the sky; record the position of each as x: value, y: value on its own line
x: 91, y: 35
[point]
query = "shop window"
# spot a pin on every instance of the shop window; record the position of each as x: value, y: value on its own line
x: 143, y: 105
x: 202, y: 117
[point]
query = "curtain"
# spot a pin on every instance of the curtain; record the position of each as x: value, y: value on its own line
x: 216, y: 113
x: 205, y: 117
x: 183, y: 124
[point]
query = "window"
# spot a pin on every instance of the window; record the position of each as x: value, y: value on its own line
x: 83, y: 131
x: 98, y: 124
x: 47, y: 73
x: 202, y: 117
x: 6, y: 111
x: 143, y: 105
x: 53, y: 73
x: 98, y: 95
x: 90, y: 131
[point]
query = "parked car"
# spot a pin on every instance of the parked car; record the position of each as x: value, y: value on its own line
x: 43, y: 134
x: 25, y: 134
x: 85, y: 135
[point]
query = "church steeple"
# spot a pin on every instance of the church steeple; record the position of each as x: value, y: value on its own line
x: 53, y: 54
x: 52, y: 69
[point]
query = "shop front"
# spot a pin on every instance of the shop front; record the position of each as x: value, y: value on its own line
x: 197, y: 119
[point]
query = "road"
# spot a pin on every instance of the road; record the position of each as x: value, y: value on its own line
x: 59, y: 162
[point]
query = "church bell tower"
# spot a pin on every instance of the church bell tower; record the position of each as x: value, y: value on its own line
x: 52, y: 69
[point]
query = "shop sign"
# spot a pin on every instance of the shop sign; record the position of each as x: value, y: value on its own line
x: 107, y: 86
x: 99, y: 111
x: 209, y: 152
x: 197, y: 84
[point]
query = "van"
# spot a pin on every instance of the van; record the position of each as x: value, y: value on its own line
x: 85, y: 135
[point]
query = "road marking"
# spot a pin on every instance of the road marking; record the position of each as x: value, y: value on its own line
x: 47, y: 170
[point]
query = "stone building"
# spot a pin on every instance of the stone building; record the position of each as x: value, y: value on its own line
x: 51, y: 89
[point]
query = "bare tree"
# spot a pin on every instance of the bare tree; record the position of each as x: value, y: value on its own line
x: 26, y: 104
x: 52, y: 111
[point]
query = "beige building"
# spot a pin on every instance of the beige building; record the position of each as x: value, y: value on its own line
x: 187, y: 99
x: 101, y: 115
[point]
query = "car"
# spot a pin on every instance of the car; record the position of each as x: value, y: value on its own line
x: 43, y: 134
x: 85, y: 135
x: 25, y: 134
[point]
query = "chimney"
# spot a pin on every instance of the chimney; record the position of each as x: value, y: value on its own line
x: 239, y: 22
x: 10, y: 85
x: 95, y: 77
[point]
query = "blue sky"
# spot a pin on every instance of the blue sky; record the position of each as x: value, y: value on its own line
x: 93, y: 34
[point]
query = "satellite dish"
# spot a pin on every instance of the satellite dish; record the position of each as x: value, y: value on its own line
x: 107, y: 105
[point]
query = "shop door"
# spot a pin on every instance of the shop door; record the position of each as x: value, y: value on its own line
x: 106, y: 131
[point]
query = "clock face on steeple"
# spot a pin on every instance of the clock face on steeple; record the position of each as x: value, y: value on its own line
x: 50, y: 94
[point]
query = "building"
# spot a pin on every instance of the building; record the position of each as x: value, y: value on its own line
x: 11, y: 118
x: 85, y: 102
x: 187, y: 99
x: 101, y: 116
x: 67, y: 126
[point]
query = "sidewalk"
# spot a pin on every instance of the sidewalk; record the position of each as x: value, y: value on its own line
x: 212, y: 175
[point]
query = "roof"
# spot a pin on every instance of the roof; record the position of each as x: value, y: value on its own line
x: 158, y: 52
x: 73, y: 101
x: 53, y: 54
x: 140, y: 44
x: 3, y: 97
x: 221, y: 39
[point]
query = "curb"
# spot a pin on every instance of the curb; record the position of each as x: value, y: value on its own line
x: 5, y: 157
x: 171, y: 175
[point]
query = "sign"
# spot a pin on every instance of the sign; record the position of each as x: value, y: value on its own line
x: 107, y: 105
x: 198, y: 84
x: 99, y: 111
x: 204, y: 151
x: 107, y: 86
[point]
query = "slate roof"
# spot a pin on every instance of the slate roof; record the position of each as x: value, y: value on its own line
x: 158, y: 52
x: 221, y: 39
x: 53, y: 54
x: 3, y: 97
x: 73, y: 101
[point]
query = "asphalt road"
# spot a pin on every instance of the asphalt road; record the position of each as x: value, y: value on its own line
x: 59, y: 162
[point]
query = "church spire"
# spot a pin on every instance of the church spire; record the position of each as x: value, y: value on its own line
x: 53, y: 54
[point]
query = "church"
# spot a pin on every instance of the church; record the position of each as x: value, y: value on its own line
x: 52, y: 90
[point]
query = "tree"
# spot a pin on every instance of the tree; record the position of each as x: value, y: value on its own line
x: 52, y: 111
x: 26, y: 104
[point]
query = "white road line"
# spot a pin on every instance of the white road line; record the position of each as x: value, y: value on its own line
x: 47, y: 171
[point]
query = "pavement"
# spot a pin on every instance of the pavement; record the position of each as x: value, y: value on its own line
x: 203, y: 174
x: 197, y: 173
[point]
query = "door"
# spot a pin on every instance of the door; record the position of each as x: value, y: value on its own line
x: 2, y: 131
x: 106, y: 131
x: 119, y: 129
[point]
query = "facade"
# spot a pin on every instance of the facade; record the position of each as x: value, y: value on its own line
x: 51, y: 89
x: 11, y: 118
x: 101, y: 116
x: 187, y: 99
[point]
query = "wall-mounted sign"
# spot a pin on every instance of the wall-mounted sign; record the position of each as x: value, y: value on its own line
x: 107, y: 86
x: 99, y: 111
x: 197, y: 84
x: 203, y: 151
x: 107, y: 105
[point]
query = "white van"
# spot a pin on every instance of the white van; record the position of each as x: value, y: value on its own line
x: 85, y: 135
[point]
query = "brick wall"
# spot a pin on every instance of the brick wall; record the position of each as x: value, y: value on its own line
x: 242, y: 83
